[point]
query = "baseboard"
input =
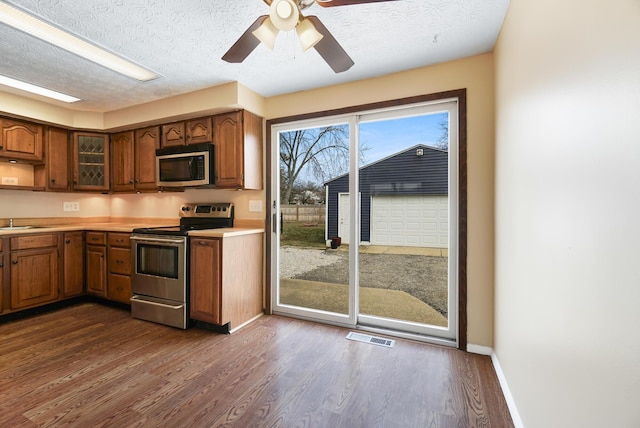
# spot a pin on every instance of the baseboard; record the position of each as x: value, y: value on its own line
x: 479, y: 349
x: 511, y: 404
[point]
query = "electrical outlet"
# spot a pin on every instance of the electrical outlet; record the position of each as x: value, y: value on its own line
x: 71, y: 206
x: 255, y: 206
x: 10, y: 180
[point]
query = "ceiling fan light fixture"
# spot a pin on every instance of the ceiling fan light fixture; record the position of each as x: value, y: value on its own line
x: 308, y: 34
x: 284, y: 14
x: 267, y: 33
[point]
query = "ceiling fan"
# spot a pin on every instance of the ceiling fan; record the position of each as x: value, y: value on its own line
x: 285, y: 15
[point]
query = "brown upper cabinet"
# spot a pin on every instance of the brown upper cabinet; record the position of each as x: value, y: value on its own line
x: 54, y: 175
x: 122, y: 162
x: 21, y: 140
x: 199, y: 131
x: 193, y: 131
x: 133, y: 160
x: 237, y: 139
x: 147, y: 141
x: 173, y: 134
x: 66, y: 160
x: 90, y: 161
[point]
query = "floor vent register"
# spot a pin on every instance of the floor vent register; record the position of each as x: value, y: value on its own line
x: 374, y: 340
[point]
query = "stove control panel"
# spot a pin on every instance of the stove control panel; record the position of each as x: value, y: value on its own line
x: 207, y: 210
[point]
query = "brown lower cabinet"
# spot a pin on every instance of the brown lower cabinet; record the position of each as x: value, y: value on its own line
x: 73, y: 264
x: 226, y: 279
x: 96, y: 259
x: 34, y: 270
x: 37, y: 269
x: 119, y: 262
x: 2, y: 262
x: 226, y: 284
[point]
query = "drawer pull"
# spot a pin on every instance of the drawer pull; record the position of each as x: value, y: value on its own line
x: 15, y: 262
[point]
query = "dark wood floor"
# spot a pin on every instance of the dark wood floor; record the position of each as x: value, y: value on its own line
x: 91, y: 365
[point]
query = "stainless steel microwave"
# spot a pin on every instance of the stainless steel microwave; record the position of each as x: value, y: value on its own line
x: 185, y: 166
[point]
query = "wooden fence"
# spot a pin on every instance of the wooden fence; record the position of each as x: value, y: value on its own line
x: 313, y: 214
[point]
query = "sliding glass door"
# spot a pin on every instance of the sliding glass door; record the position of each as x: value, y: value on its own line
x: 312, y: 279
x: 365, y: 220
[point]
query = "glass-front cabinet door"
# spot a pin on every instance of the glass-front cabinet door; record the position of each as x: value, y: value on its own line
x: 90, y: 161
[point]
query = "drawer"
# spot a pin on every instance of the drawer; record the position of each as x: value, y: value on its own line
x: 162, y: 311
x: 97, y: 238
x: 119, y: 240
x: 119, y: 288
x: 120, y: 260
x: 27, y: 242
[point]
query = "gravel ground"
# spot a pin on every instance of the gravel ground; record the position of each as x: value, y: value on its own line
x: 424, y: 277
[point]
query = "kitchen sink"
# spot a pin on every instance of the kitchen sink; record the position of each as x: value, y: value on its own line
x: 20, y: 227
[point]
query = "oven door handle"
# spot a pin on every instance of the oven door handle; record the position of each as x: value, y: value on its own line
x: 136, y: 298
x: 157, y: 240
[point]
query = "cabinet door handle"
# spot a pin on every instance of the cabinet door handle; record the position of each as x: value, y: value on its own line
x: 53, y: 180
x: 15, y: 262
x: 1, y: 265
x: 68, y: 241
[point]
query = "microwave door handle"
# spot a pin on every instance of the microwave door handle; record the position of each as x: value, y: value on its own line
x: 193, y: 168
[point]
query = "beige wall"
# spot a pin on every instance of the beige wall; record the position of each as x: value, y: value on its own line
x: 476, y: 75
x: 567, y: 211
x: 20, y: 204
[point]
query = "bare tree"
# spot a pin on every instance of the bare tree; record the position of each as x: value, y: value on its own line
x: 443, y: 140
x: 322, y: 152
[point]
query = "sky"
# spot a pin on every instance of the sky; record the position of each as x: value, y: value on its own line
x: 388, y: 137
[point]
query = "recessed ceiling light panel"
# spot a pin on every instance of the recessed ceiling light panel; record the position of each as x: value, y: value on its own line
x: 24, y: 86
x: 36, y: 27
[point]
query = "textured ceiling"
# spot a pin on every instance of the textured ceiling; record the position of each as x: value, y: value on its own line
x: 183, y: 41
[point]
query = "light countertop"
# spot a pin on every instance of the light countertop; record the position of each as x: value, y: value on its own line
x: 128, y: 228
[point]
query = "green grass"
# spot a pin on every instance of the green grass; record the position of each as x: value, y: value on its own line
x: 296, y: 234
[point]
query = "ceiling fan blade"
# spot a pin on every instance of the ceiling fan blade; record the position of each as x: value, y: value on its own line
x: 332, y: 3
x: 329, y: 48
x: 245, y: 44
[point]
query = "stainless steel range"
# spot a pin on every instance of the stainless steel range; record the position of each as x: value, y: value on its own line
x: 160, y: 278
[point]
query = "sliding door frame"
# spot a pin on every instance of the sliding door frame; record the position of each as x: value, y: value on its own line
x: 460, y: 95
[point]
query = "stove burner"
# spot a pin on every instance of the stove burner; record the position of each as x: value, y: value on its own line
x: 195, y: 216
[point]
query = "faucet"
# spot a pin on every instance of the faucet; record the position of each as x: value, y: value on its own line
x: 10, y: 222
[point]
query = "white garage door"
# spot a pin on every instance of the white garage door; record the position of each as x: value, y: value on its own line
x: 410, y: 221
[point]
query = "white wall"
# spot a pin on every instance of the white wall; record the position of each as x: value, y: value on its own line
x: 567, y: 312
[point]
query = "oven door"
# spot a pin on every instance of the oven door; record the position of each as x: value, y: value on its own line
x: 160, y: 267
